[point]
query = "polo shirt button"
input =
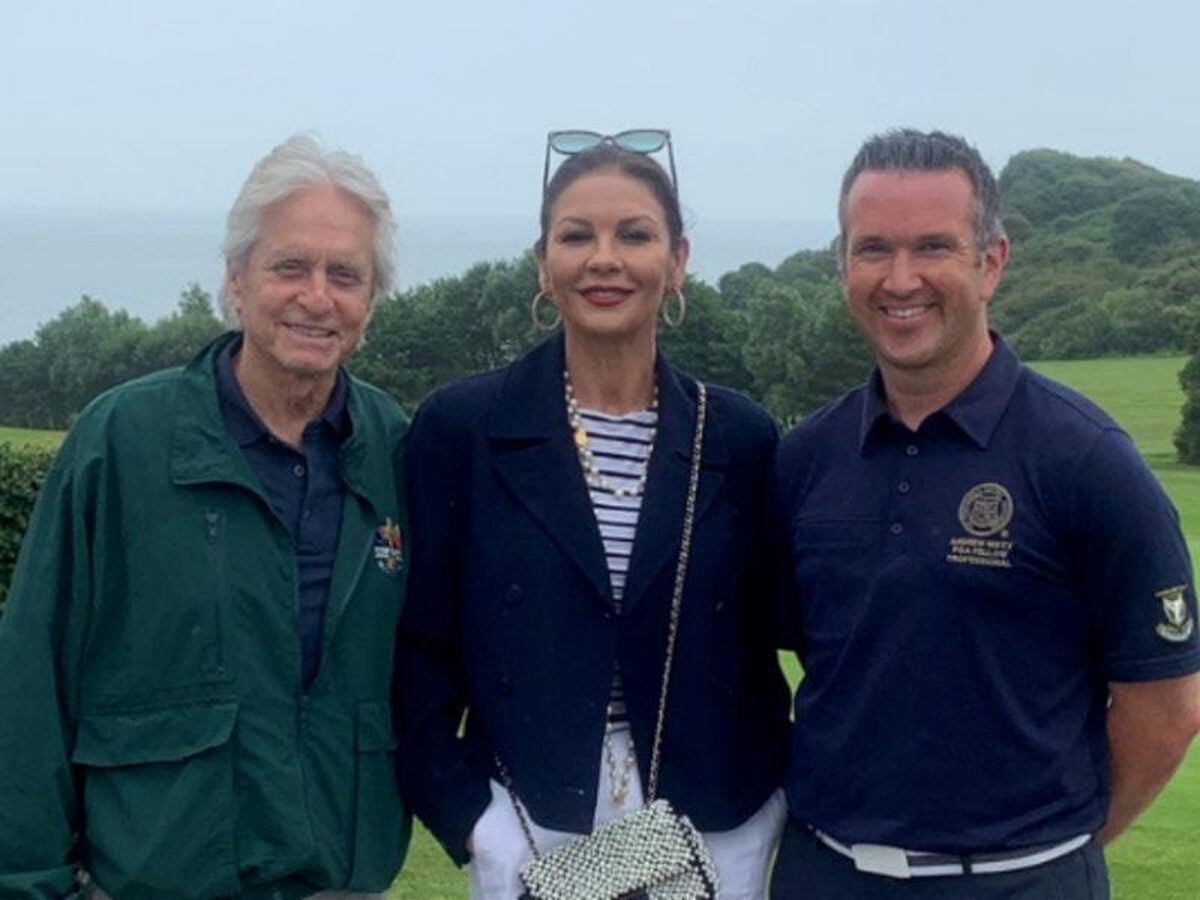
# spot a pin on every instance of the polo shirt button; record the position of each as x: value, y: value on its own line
x: 896, y: 528
x: 912, y: 450
x: 299, y: 470
x: 904, y: 487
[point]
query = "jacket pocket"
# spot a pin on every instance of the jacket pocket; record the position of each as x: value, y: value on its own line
x: 381, y: 825
x: 159, y: 800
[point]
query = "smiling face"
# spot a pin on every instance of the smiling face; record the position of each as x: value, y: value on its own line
x: 915, y: 280
x: 608, y: 260
x: 304, y: 294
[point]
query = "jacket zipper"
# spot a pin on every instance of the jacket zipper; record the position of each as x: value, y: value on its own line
x: 216, y: 559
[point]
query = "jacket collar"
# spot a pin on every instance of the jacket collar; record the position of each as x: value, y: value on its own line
x: 203, y: 450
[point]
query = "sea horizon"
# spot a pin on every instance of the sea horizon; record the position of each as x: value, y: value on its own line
x: 140, y: 261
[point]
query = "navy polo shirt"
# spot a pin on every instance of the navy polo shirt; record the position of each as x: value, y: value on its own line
x: 965, y: 593
x: 305, y: 490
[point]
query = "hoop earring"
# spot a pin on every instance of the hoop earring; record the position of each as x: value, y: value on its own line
x: 540, y: 322
x: 674, y: 320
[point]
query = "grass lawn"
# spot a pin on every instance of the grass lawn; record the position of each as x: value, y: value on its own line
x: 21, y: 437
x: 1159, y: 857
x: 1144, y: 396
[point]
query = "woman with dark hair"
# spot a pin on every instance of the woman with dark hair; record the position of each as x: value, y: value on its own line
x: 547, y: 504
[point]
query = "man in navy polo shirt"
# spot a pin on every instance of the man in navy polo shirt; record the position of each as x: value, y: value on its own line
x: 993, y: 602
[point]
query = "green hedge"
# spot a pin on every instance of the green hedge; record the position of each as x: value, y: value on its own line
x: 22, y: 470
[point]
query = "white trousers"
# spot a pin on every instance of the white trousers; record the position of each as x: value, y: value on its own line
x: 742, y: 855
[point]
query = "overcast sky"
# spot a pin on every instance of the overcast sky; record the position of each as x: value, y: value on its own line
x: 165, y: 105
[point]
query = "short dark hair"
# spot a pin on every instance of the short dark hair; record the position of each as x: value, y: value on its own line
x: 910, y: 150
x: 603, y: 158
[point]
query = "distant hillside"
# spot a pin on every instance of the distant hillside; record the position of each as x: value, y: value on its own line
x: 1105, y: 260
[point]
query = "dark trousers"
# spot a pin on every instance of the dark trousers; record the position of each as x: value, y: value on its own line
x: 806, y: 869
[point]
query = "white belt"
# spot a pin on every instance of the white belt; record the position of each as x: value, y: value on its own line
x: 895, y: 862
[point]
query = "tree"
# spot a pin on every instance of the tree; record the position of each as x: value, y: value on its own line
x: 1187, y: 437
x: 175, y: 339
x: 802, y: 349
x: 87, y: 349
x: 1148, y: 223
x: 737, y: 287
x: 449, y: 329
x: 709, y: 343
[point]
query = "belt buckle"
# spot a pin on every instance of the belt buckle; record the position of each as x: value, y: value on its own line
x: 880, y: 859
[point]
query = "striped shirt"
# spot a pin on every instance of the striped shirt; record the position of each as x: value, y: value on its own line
x: 621, y: 448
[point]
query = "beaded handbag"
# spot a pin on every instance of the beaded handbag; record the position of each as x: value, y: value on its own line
x: 653, y: 853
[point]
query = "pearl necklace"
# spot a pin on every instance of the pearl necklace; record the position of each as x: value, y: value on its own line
x: 591, y: 472
x: 620, y: 772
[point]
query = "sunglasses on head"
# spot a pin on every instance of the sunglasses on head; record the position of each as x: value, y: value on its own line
x: 571, y: 141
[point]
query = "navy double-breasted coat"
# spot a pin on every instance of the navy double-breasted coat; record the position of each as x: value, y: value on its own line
x: 510, y: 615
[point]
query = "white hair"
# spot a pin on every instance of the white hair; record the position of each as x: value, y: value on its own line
x: 301, y: 163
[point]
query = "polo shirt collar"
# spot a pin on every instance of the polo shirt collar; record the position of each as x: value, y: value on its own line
x: 976, y: 411
x: 243, y: 422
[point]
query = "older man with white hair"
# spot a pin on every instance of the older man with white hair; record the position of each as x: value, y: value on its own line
x: 196, y: 656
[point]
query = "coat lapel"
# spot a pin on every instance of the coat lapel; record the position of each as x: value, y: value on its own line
x: 660, y: 524
x: 533, y: 456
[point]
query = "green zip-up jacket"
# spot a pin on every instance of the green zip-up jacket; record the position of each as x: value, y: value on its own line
x: 152, y: 727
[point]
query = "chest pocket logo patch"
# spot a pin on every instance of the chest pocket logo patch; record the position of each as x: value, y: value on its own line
x: 986, y: 509
x: 985, y: 513
x: 1179, y: 624
x: 388, y: 547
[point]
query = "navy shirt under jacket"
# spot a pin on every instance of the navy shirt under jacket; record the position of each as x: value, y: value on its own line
x: 305, y: 490
x: 965, y: 594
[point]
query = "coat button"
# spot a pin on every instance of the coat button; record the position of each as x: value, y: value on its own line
x: 513, y: 594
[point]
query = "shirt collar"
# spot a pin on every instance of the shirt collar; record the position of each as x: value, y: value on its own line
x: 244, y: 424
x: 976, y: 411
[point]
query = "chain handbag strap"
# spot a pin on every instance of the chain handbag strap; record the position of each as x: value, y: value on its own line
x: 685, y: 551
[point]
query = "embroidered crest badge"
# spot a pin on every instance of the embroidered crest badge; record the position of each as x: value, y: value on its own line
x: 388, y: 547
x: 984, y: 513
x: 1179, y: 623
x: 986, y: 509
